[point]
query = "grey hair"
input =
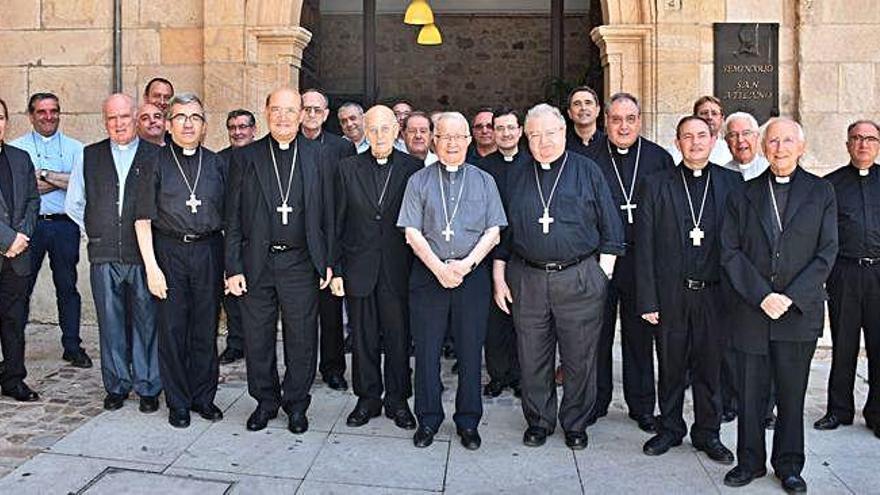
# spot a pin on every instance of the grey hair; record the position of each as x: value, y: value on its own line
x: 454, y: 116
x: 351, y: 104
x: 740, y: 116
x: 544, y: 109
x: 859, y: 122
x: 622, y: 96
x: 128, y: 99
x: 775, y: 120
x: 182, y: 99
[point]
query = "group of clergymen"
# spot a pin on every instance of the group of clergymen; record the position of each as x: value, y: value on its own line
x: 434, y: 228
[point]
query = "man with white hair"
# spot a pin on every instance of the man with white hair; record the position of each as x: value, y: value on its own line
x: 452, y: 216
x: 778, y: 244
x: 564, y: 235
x: 741, y: 132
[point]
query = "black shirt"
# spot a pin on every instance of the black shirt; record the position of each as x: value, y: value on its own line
x: 498, y: 167
x: 163, y: 194
x: 858, y: 211
x: 703, y: 262
x: 573, y: 142
x: 584, y: 217
x: 6, y: 181
x: 294, y: 233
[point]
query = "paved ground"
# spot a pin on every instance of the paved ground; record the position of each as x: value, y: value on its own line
x: 67, y: 444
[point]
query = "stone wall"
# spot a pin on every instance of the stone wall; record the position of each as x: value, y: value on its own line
x: 484, y: 59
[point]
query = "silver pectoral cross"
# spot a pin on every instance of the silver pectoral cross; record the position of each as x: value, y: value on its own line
x: 193, y: 203
x: 284, y: 209
x: 697, y: 235
x: 448, y: 232
x: 545, y: 221
x: 629, y: 207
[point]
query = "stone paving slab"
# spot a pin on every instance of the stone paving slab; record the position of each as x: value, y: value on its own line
x: 116, y: 481
x: 320, y: 488
x: 326, y: 407
x: 242, y: 484
x: 55, y: 473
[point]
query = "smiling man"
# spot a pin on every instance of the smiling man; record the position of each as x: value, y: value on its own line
x: 584, y: 111
x: 151, y: 124
x: 741, y: 133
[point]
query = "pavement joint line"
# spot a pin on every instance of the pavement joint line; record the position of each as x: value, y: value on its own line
x: 577, y: 469
x: 227, y: 473
x: 368, y: 485
x: 446, y: 465
x: 703, y: 465
x: 99, y: 458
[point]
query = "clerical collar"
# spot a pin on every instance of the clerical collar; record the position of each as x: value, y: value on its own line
x: 184, y: 151
x: 126, y: 146
x: 46, y: 139
x: 863, y: 172
x: 283, y: 146
x: 548, y: 166
x: 507, y: 158
x: 452, y: 168
x: 189, y: 151
x: 382, y: 161
x: 697, y: 172
x: 622, y: 151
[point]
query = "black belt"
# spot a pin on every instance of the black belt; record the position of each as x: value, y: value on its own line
x: 55, y: 217
x: 692, y: 284
x: 280, y: 248
x: 187, y: 238
x: 863, y: 261
x: 556, y: 266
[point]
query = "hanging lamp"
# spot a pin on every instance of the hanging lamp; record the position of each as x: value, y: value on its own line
x: 430, y: 35
x: 418, y: 13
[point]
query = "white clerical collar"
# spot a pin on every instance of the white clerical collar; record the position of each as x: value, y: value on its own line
x: 46, y: 139
x: 782, y: 180
x: 623, y: 151
x: 189, y: 151
x: 452, y: 168
x: 545, y: 166
x: 698, y: 172
x: 382, y: 161
x: 863, y: 172
x: 284, y: 146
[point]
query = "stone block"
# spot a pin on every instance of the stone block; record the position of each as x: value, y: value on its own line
x: 841, y: 43
x: 705, y: 11
x: 184, y: 77
x: 242, y: 484
x: 62, y: 47
x: 848, y: 12
x: 224, y: 44
x: 80, y: 89
x: 14, y: 89
x: 819, y: 85
x: 52, y: 473
x: 678, y: 84
x: 140, y: 46
x: 115, y: 481
x: 856, y: 93
x: 787, y: 88
x: 826, y: 137
x: 18, y: 123
x: 225, y: 14
x: 678, y: 43
x: 181, y: 46
x: 224, y: 87
x: 787, y: 46
x: 754, y: 11
x: 130, y: 14
x: 172, y: 13
x: 77, y: 14
x: 19, y: 15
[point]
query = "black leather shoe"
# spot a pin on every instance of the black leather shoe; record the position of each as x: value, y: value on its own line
x: 770, y: 422
x: 647, y: 422
x: 336, y: 381
x: 423, y: 437
x: 297, y: 422
x: 493, y: 388
x: 360, y: 416
x: 876, y: 429
x: 660, y: 444
x: 230, y: 355
x: 77, y: 358
x: 738, y: 476
x: 148, y: 404
x: 209, y: 412
x: 576, y: 440
x: 793, y: 483
x: 716, y: 451
x: 829, y: 422
x: 470, y: 438
x: 21, y: 393
x: 113, y: 402
x: 728, y: 415
x: 178, y: 418
x: 402, y: 417
x: 535, y: 436
x: 259, y: 419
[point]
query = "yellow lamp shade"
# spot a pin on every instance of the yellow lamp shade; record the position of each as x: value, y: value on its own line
x: 418, y: 13
x: 430, y: 35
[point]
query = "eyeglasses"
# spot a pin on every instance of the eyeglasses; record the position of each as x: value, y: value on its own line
x: 182, y: 118
x: 315, y: 110
x: 289, y: 111
x: 239, y: 127
x: 480, y: 127
x: 448, y: 138
x: 857, y: 139
x: 617, y: 120
x: 735, y: 136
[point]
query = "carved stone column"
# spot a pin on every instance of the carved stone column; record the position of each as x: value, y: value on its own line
x: 273, y: 58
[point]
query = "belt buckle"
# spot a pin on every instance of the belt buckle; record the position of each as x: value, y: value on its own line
x: 868, y: 261
x: 553, y: 267
x: 695, y: 284
x: 190, y: 238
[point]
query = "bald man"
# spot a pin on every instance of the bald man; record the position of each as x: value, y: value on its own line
x: 778, y: 244
x: 372, y: 265
x: 279, y: 215
x: 151, y: 124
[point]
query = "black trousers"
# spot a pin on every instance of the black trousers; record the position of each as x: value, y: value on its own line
x: 637, y: 345
x: 290, y: 284
x: 728, y: 378
x: 502, y: 362
x: 380, y: 320
x: 187, y: 319
x: 13, y: 308
x: 854, y: 307
x: 564, y: 308
x: 465, y: 310
x: 693, y: 344
x: 234, y: 329
x: 332, y: 334
x: 788, y: 363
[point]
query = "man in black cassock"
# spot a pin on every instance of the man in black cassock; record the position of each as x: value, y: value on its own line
x: 372, y: 270
x: 332, y: 338
x: 279, y: 214
x: 778, y: 243
x: 678, y: 275
x: 179, y: 223
x: 502, y: 362
x: 584, y: 111
x: 627, y: 159
x: 854, y: 284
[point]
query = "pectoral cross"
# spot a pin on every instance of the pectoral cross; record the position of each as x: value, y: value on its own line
x: 629, y: 207
x: 284, y: 209
x: 193, y: 203
x: 448, y: 232
x: 545, y: 221
x: 697, y: 235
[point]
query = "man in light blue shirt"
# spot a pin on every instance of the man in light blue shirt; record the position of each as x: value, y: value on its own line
x: 351, y: 120
x: 54, y: 156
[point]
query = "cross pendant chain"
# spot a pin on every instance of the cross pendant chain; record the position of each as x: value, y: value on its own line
x: 545, y: 221
x: 193, y: 203
x: 448, y: 232
x: 284, y: 210
x: 628, y: 208
x: 697, y: 235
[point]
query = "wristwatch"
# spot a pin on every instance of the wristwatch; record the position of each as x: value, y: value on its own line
x: 44, y: 174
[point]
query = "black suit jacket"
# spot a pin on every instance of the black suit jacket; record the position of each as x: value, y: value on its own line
x: 250, y: 207
x: 23, y: 217
x: 366, y: 245
x: 662, y: 235
x: 806, y: 252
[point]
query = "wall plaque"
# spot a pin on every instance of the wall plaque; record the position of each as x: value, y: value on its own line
x: 746, y: 68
